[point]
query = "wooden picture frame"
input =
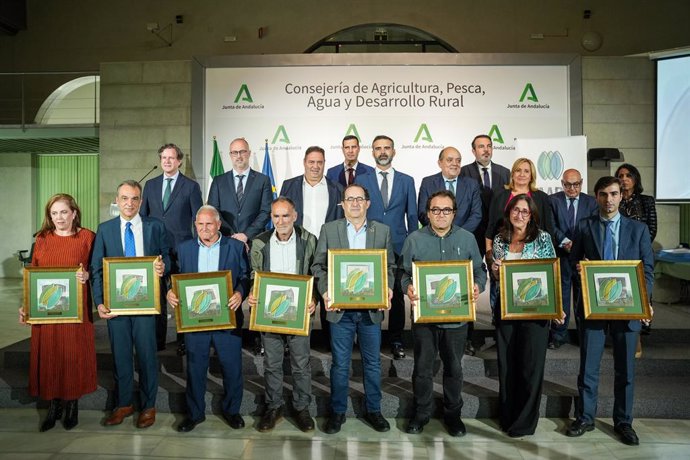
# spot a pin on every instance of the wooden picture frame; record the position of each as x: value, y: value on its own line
x: 203, y: 301
x: 445, y: 292
x: 358, y: 278
x: 531, y: 289
x: 614, y: 290
x: 131, y: 286
x: 282, y: 303
x: 52, y: 295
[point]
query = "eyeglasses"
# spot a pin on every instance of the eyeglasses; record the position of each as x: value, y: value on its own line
x: 571, y: 184
x: 445, y: 211
x: 237, y: 153
x: 354, y: 199
x: 520, y: 212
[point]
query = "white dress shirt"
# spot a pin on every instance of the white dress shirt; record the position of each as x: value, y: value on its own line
x: 138, y: 230
x: 379, y: 179
x: 315, y: 205
x: 284, y: 254
x: 172, y: 184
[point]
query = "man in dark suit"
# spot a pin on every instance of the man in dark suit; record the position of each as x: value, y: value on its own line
x: 466, y: 191
x: 491, y: 178
x: 609, y: 236
x: 569, y: 206
x: 346, y: 172
x: 317, y: 201
x: 354, y: 232
x: 316, y: 198
x: 241, y: 196
x: 209, y: 253
x: 394, y: 203
x: 174, y: 199
x: 131, y: 235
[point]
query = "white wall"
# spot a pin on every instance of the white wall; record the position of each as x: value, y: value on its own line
x: 17, y: 216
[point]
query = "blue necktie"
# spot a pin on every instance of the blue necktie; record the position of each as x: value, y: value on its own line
x: 608, y: 241
x: 487, y: 182
x: 130, y: 247
x: 571, y: 214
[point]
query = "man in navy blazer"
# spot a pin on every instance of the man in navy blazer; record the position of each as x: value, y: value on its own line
x: 399, y: 212
x: 211, y: 252
x: 242, y: 196
x: 174, y: 199
x: 131, y: 235
x: 610, y: 236
x: 565, y: 232
x: 466, y: 191
x: 351, y: 168
x: 316, y: 198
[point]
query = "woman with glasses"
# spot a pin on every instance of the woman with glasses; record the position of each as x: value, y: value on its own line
x: 62, y: 363
x: 636, y: 206
x: 523, y: 180
x: 521, y: 344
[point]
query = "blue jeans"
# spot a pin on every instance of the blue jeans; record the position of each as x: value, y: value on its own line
x: 342, y: 340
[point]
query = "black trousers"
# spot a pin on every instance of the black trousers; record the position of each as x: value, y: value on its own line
x: 430, y: 341
x: 521, y: 347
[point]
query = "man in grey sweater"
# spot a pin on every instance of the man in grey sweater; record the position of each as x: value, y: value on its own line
x: 440, y: 240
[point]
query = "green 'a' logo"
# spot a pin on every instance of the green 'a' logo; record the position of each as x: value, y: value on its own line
x: 423, y: 134
x: 529, y: 89
x: 243, y: 94
x: 352, y: 131
x: 281, y: 136
x: 495, y: 134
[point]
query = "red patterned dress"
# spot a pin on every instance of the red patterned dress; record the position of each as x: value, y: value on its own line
x: 63, y: 356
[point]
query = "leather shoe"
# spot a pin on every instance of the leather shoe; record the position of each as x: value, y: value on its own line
x: 234, y: 420
x: 269, y: 419
x: 416, y: 425
x: 397, y: 351
x: 456, y: 427
x: 118, y: 415
x: 304, y: 420
x: 188, y: 424
x: 578, y: 428
x: 555, y: 344
x: 626, y: 434
x: 54, y: 413
x: 146, y: 418
x: 377, y: 421
x: 335, y: 421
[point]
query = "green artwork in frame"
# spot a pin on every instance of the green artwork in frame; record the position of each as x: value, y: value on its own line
x: 531, y: 289
x: 131, y: 286
x: 358, y: 278
x: 203, y: 301
x: 614, y: 289
x: 52, y: 295
x: 282, y: 303
x: 445, y: 290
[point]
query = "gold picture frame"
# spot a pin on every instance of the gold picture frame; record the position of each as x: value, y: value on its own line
x: 358, y: 278
x: 456, y: 303
x: 282, y: 303
x: 203, y: 301
x: 52, y: 295
x: 131, y: 286
x: 614, y: 290
x: 531, y: 289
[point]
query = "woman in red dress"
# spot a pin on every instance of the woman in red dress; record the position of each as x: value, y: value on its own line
x: 63, y: 356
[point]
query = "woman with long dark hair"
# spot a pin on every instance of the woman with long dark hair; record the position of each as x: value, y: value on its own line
x: 62, y: 365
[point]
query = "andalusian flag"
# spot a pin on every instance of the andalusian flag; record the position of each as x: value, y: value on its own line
x: 217, y: 162
x: 268, y: 170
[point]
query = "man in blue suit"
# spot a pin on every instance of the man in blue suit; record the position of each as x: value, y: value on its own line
x: 131, y: 235
x: 569, y: 206
x: 393, y: 201
x: 609, y: 236
x: 345, y: 173
x: 466, y: 191
x: 242, y: 196
x: 209, y: 253
x: 174, y: 199
x: 316, y: 198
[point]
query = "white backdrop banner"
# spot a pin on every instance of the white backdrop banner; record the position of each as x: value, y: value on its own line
x: 552, y: 156
x: 424, y: 108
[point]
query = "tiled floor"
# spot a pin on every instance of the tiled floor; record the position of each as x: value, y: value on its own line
x: 19, y: 439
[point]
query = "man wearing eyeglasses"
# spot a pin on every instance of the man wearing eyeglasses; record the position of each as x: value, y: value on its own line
x: 242, y: 196
x: 439, y: 240
x: 569, y: 206
x: 354, y: 232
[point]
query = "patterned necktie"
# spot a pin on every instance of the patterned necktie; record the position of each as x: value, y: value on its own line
x: 350, y: 175
x: 487, y: 182
x: 608, y: 241
x: 384, y: 188
x: 451, y: 186
x: 130, y: 246
x: 167, y: 193
x: 571, y: 214
x: 240, y: 187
